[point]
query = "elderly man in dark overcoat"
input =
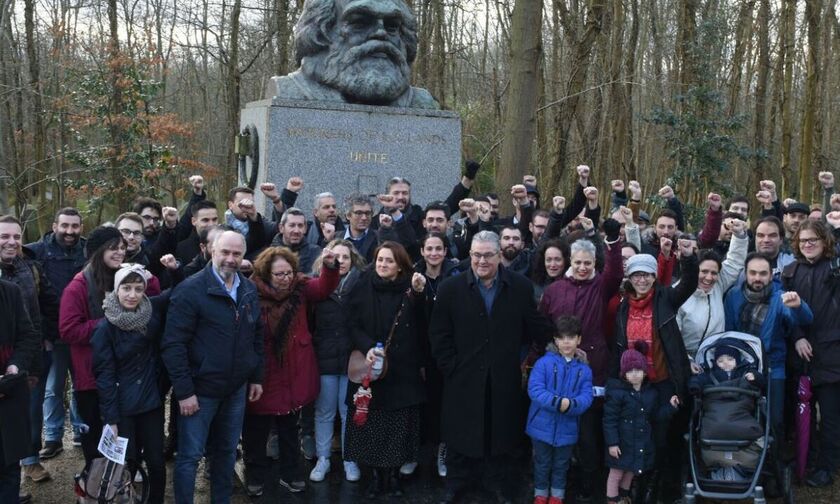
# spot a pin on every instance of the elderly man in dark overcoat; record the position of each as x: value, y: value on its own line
x: 481, y: 322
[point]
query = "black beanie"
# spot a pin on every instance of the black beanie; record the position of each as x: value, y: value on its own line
x: 99, y: 237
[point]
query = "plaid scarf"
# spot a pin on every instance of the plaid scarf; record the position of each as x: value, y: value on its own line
x: 755, y: 309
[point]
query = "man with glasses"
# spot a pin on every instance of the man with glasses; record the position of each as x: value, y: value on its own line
x: 358, y: 211
x: 131, y: 227
x: 480, y: 322
x: 151, y: 211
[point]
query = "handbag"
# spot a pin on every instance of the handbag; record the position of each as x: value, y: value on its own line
x: 358, y: 367
x: 105, y: 481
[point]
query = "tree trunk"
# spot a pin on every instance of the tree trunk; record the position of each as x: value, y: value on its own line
x: 806, y: 153
x: 232, y: 84
x: 526, y: 46
x: 40, y: 171
x: 759, y: 126
x: 788, y: 37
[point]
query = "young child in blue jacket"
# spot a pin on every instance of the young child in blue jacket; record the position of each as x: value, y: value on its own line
x: 560, y: 387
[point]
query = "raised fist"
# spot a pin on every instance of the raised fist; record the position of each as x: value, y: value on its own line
x: 764, y: 197
x: 791, y: 299
x: 835, y: 201
x: 559, y: 203
x: 738, y: 227
x: 627, y: 214
x: 170, y: 217
x: 328, y: 256
x: 385, y: 221
x: 197, y: 183
x: 583, y: 171
x: 826, y: 179
x: 169, y: 262
x: 714, y: 201
x: 270, y: 191
x: 386, y: 200
x: 328, y: 231
x: 767, y: 185
x: 591, y: 193
x: 294, y: 184
x: 635, y: 189
x: 530, y: 180
x: 519, y: 193
x: 788, y: 202
x: 418, y: 282
x: 667, y: 192
x: 587, y: 223
x: 833, y: 219
x: 665, y: 245
x: 467, y: 206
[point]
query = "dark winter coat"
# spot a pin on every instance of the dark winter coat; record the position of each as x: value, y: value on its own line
x: 552, y: 380
x: 60, y: 264
x: 19, y: 346
x: 39, y: 296
x: 212, y: 345
x: 666, y: 303
x: 372, y: 307
x: 819, y: 287
x: 294, y: 382
x: 628, y: 423
x: 729, y: 416
x: 127, y: 366
x: 588, y: 299
x: 78, y: 318
x: 331, y: 334
x: 306, y: 252
x: 474, y: 350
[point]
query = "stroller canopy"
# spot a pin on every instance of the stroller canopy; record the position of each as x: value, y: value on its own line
x: 748, y: 345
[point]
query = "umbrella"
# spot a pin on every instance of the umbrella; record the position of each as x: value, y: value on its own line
x: 803, y: 423
x: 361, y: 400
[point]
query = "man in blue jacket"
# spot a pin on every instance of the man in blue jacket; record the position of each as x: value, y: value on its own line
x: 213, y: 350
x: 760, y: 307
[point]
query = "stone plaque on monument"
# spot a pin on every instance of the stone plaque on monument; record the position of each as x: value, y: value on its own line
x: 347, y: 120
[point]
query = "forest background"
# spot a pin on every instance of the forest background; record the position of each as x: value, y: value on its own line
x: 103, y: 100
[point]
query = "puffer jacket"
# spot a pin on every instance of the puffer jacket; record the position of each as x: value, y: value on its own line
x: 629, y: 416
x: 127, y: 366
x: 819, y: 285
x: 331, y: 335
x: 294, y: 382
x: 60, y: 263
x: 552, y: 380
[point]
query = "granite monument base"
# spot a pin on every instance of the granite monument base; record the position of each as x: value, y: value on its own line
x: 344, y: 149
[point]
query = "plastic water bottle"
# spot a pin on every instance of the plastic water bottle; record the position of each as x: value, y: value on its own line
x: 378, y: 361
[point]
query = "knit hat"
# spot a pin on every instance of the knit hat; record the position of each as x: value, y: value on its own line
x: 728, y: 350
x: 99, y: 237
x: 531, y: 189
x: 641, y: 263
x: 127, y: 269
x: 633, y: 359
x: 644, y: 217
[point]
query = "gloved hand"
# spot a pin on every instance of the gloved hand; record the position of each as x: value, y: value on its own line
x: 612, y: 228
x: 472, y: 169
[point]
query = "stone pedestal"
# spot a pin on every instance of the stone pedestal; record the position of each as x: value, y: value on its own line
x: 343, y: 148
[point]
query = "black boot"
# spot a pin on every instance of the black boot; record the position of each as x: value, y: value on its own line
x: 376, y: 484
x: 394, y: 484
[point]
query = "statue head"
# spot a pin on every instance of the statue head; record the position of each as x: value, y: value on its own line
x: 362, y: 48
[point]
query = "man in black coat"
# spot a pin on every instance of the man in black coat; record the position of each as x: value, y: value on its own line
x: 20, y: 345
x: 480, y: 322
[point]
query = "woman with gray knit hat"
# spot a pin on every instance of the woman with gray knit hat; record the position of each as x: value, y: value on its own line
x: 647, y: 319
x: 80, y: 312
x: 126, y: 367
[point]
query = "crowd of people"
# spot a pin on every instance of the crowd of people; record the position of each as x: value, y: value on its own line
x: 563, y: 323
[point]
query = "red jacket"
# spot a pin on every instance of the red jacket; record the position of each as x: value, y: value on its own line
x: 296, y: 382
x: 588, y: 300
x: 75, y: 326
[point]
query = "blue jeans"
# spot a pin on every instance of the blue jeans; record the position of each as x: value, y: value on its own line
x: 221, y: 420
x: 53, y: 410
x: 550, y: 466
x: 36, y: 410
x: 331, y: 399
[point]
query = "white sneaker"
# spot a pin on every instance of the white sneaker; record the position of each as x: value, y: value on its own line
x: 408, y: 468
x: 322, y: 467
x: 441, y: 460
x: 351, y: 471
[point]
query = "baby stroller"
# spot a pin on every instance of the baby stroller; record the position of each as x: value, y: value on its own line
x: 728, y: 460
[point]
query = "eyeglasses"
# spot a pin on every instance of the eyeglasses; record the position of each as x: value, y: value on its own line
x: 640, y: 275
x: 478, y: 256
x: 150, y: 218
x: 362, y: 213
x: 128, y: 232
x: 282, y: 274
x: 809, y: 241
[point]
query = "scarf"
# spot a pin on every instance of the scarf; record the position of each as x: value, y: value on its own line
x: 755, y: 309
x: 282, y: 308
x: 126, y: 320
x: 236, y: 224
x: 640, y: 329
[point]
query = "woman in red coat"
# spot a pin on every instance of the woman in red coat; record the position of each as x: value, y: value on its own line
x: 291, y: 379
x: 80, y: 312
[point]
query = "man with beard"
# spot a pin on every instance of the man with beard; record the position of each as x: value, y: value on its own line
x: 354, y: 51
x: 61, y: 254
x: 151, y: 211
x: 41, y: 302
x: 243, y: 217
x: 203, y: 214
x: 769, y: 233
x: 514, y: 255
x: 213, y: 350
x: 326, y: 225
x: 292, y: 230
x: 759, y: 306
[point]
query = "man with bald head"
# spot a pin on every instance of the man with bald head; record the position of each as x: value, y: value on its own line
x: 354, y: 51
x: 213, y: 350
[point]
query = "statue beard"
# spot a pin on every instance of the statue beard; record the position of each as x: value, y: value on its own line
x: 375, y: 72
